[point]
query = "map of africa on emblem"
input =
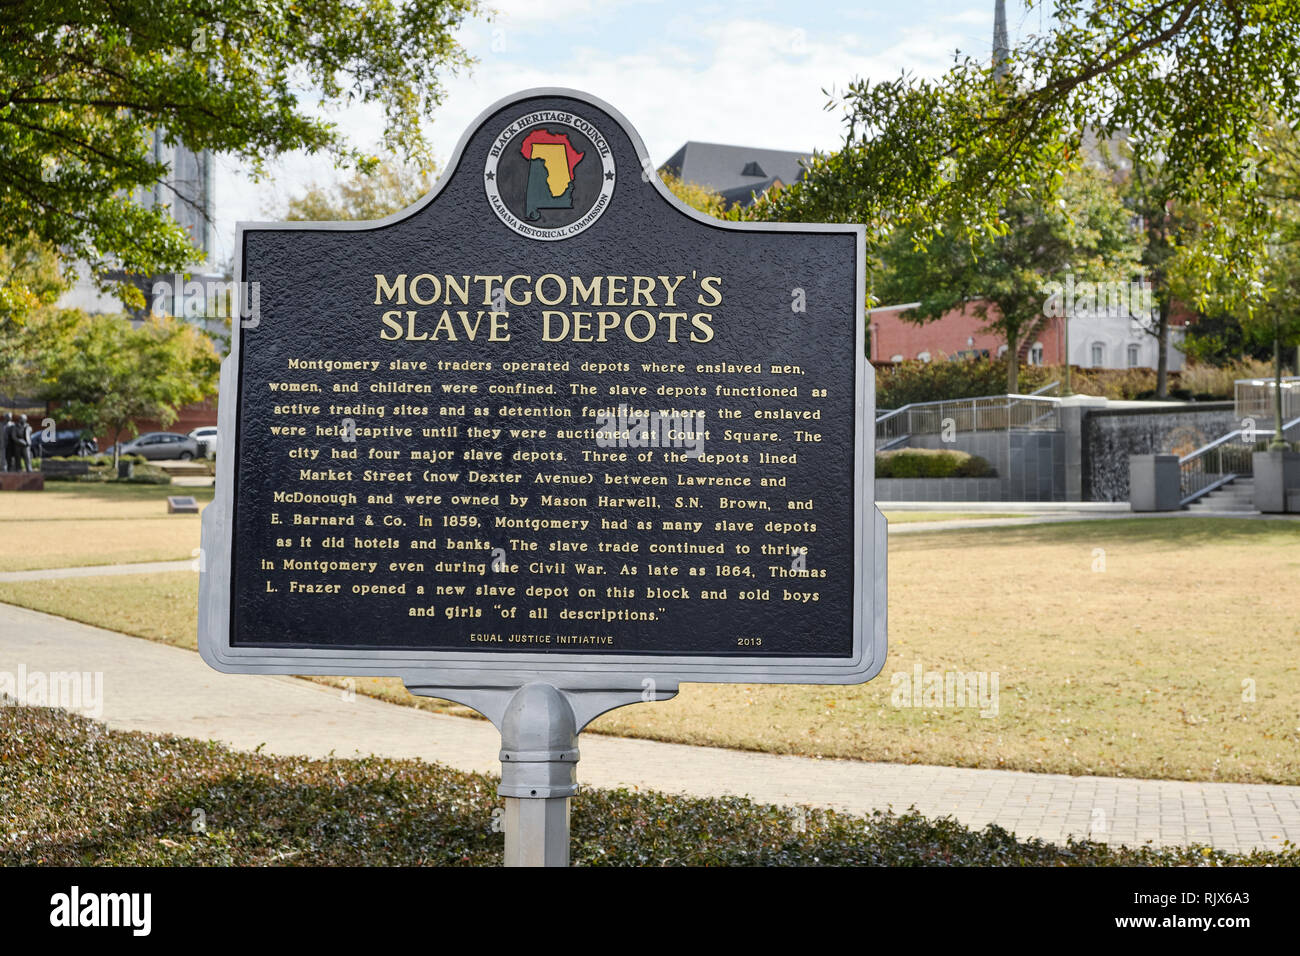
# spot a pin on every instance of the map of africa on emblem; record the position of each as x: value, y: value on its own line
x: 549, y: 175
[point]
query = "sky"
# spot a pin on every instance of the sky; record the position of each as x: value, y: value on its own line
x: 748, y: 73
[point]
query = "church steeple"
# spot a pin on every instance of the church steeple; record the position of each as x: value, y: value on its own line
x: 1001, y: 49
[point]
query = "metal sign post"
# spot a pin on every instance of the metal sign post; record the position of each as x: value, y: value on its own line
x: 539, y: 726
x: 546, y: 443
x: 539, y: 762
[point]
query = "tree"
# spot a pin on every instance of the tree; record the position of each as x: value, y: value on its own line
x: 105, y: 373
x: 1008, y: 276
x: 84, y: 84
x: 1278, y: 316
x: 1267, y: 313
x: 390, y: 186
x: 32, y: 277
x: 700, y: 198
x: 1164, y: 224
x: 1218, y: 339
x: 1184, y: 80
x: 1266, y: 304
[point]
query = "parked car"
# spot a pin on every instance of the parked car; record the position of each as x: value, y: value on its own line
x: 206, y: 436
x: 154, y: 445
x: 65, y: 443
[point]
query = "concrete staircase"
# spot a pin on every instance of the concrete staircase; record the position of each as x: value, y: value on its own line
x: 1236, y: 495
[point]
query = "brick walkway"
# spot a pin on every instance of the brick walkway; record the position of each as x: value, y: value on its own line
x: 154, y: 687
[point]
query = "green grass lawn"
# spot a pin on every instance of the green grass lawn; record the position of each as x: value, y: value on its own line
x: 1140, y: 668
x: 162, y: 607
x: 136, y: 798
x: 77, y: 524
x: 106, y: 500
x: 1136, y: 670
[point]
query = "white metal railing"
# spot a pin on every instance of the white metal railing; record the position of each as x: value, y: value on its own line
x: 980, y: 414
x: 1254, y: 398
x: 1224, y: 459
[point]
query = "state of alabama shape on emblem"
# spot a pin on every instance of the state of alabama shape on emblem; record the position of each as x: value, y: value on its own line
x: 549, y: 175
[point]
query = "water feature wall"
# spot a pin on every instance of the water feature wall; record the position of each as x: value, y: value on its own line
x: 1111, y: 435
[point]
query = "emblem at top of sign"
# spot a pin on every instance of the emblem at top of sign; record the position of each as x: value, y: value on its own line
x: 549, y: 174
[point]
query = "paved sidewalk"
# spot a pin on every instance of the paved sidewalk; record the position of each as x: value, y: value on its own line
x: 154, y: 687
x: 98, y: 570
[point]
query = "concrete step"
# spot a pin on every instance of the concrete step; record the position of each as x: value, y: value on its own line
x: 1237, y: 495
x: 178, y: 467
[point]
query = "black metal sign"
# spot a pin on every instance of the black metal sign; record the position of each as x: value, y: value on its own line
x: 548, y: 417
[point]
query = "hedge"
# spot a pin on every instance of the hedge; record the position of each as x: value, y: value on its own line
x: 931, y: 463
x: 99, y: 460
x: 102, y: 470
x: 942, y: 380
x: 78, y: 794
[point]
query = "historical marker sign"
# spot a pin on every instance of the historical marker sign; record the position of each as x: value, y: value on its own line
x: 547, y: 424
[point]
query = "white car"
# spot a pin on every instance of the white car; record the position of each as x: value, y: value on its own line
x: 207, y: 437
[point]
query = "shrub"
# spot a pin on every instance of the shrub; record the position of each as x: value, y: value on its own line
x: 931, y: 463
x: 911, y: 381
x: 78, y: 794
x: 101, y: 468
x: 146, y: 475
x: 100, y: 459
x: 1209, y: 381
x: 1120, y: 384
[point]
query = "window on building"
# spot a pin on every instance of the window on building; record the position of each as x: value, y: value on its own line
x: 895, y: 358
x: 1002, y: 350
x: 923, y: 356
x: 1036, y: 354
x: 1132, y: 356
x: 1098, y: 355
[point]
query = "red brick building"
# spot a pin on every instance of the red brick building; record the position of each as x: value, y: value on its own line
x: 188, y: 418
x: 958, y: 334
x: 1098, y: 338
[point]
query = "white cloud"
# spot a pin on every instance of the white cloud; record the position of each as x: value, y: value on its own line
x: 549, y: 12
x: 744, y: 81
x: 977, y: 16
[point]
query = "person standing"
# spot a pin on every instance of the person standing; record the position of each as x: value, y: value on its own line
x: 6, y: 443
x: 23, y: 442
